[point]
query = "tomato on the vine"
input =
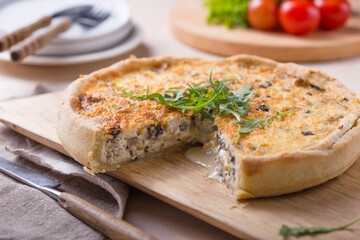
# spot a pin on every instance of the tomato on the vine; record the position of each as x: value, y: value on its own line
x: 262, y: 14
x: 299, y: 17
x: 334, y: 13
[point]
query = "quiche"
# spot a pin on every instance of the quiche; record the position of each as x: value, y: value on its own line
x: 313, y: 140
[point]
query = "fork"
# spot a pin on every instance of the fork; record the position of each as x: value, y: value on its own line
x: 98, y: 13
x: 95, y: 15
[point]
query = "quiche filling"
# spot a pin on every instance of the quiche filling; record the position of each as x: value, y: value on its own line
x: 137, y: 129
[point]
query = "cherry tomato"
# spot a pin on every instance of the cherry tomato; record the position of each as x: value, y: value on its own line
x: 262, y: 15
x: 334, y: 13
x: 299, y: 17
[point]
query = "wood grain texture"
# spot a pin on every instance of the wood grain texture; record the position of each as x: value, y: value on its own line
x: 20, y: 34
x: 188, y: 23
x: 109, y: 225
x: 33, y: 44
x: 183, y: 184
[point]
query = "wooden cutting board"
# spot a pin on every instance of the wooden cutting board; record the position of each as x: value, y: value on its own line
x: 188, y: 23
x: 184, y: 184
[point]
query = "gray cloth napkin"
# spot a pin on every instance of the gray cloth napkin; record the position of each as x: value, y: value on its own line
x: 26, y: 213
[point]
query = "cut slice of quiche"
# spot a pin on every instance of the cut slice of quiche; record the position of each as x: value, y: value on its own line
x: 103, y: 127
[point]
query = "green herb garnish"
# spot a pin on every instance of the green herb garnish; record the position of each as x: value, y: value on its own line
x: 260, y: 122
x: 228, y: 12
x: 208, y: 99
x: 301, y: 231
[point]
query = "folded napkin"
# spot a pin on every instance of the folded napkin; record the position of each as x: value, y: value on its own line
x: 27, y: 213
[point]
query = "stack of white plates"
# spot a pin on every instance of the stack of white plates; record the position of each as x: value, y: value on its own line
x: 115, y: 36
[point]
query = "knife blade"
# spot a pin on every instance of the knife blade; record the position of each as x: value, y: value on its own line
x: 10, y: 39
x: 104, y: 222
x: 39, y: 181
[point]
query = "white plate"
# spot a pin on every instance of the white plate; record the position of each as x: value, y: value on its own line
x: 128, y: 44
x: 77, y: 40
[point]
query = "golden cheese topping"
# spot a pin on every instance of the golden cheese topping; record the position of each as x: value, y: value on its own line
x: 317, y: 111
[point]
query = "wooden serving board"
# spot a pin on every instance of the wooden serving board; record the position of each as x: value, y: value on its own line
x: 189, y: 24
x: 184, y: 184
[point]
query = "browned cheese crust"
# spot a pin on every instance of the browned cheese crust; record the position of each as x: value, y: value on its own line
x: 314, y: 143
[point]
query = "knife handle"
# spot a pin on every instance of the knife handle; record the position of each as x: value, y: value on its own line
x: 109, y: 225
x: 20, y: 34
x: 32, y: 44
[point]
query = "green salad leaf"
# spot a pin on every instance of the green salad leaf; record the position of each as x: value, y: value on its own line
x: 228, y: 12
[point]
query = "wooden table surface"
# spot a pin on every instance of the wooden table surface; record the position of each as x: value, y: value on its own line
x: 145, y: 212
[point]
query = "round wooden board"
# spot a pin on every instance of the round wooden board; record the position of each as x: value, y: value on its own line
x: 188, y: 23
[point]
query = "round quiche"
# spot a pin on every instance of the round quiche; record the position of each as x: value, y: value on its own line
x: 298, y: 128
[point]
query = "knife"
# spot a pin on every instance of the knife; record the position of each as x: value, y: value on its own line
x: 17, y: 36
x: 102, y: 221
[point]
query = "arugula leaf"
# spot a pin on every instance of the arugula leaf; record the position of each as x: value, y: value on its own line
x: 301, y: 231
x: 260, y: 122
x: 228, y: 12
x: 207, y: 99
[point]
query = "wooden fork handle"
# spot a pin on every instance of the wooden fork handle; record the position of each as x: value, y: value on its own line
x: 109, y: 225
x: 32, y: 44
x: 17, y: 36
